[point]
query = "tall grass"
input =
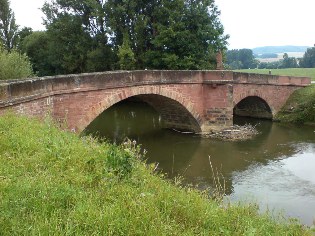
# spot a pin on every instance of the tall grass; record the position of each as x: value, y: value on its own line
x: 300, y: 107
x: 55, y: 183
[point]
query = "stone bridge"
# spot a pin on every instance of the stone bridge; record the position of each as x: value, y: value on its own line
x: 198, y: 101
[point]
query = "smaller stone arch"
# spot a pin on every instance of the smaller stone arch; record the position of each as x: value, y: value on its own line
x: 177, y: 112
x: 253, y: 106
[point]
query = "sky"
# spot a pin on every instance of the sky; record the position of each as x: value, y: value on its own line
x: 250, y: 23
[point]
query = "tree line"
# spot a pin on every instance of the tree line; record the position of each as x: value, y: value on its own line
x: 245, y: 59
x: 100, y: 35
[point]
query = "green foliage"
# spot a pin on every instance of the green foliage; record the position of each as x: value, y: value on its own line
x: 64, y: 50
x: 36, y: 46
x: 68, y: 45
x: 55, y: 183
x: 119, y: 161
x: 162, y: 34
x: 270, y: 65
x: 100, y: 58
x: 300, y: 107
x: 126, y: 56
x: 14, y: 65
x: 241, y: 59
x: 288, y: 62
x: 8, y: 27
x: 22, y: 34
x: 187, y: 36
x: 308, y: 60
x: 77, y: 37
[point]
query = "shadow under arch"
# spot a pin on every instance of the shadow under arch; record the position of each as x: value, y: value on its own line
x: 253, y: 106
x: 135, y: 119
x: 175, y: 112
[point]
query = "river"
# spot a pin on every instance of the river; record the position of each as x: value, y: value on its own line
x: 275, y: 169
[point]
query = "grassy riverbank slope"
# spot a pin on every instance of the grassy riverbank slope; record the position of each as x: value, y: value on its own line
x: 304, y: 72
x: 300, y: 107
x: 55, y: 183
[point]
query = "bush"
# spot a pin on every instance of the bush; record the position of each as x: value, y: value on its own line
x: 300, y: 107
x: 14, y: 65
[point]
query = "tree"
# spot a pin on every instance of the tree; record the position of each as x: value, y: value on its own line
x: 36, y: 46
x: 162, y: 34
x: 135, y: 18
x: 288, y: 62
x: 126, y: 55
x: 308, y: 60
x: 188, y: 35
x: 88, y: 36
x: 22, y: 34
x: 68, y: 45
x: 8, y: 27
x: 14, y: 65
x: 241, y: 59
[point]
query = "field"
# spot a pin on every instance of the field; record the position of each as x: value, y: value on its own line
x: 303, y: 72
x: 280, y: 56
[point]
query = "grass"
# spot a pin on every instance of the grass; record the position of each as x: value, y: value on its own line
x: 303, y: 72
x: 300, y: 107
x: 55, y: 183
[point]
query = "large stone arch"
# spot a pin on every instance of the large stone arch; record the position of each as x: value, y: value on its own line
x: 177, y: 111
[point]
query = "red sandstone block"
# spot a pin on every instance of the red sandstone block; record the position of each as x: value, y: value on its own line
x: 284, y: 80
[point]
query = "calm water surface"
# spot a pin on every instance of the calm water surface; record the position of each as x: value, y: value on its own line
x: 276, y: 169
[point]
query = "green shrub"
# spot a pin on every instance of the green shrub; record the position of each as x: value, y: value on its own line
x: 14, y: 65
x: 300, y: 107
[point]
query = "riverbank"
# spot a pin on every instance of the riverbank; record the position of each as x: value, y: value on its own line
x: 55, y: 183
x: 300, y: 107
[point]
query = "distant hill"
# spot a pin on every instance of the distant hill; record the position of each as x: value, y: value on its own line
x: 279, y: 49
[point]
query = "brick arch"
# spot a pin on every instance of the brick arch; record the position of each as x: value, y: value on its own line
x: 186, y: 106
x: 253, y: 106
x: 253, y: 93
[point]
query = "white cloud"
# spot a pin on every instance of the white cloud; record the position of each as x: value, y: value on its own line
x: 252, y: 23
x: 28, y: 13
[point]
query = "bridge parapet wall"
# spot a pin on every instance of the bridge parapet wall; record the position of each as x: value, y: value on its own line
x: 13, y: 92
x: 252, y: 78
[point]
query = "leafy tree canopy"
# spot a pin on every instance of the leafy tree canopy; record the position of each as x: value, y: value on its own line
x: 14, y: 65
x: 241, y: 59
x: 308, y: 60
x: 8, y: 27
x: 155, y: 34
